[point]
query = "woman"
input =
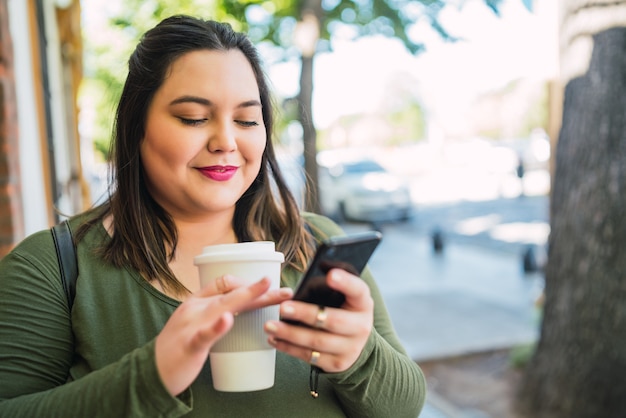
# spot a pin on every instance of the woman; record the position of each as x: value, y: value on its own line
x: 194, y: 166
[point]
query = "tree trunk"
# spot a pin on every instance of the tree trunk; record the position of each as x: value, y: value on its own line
x: 579, y: 367
x: 309, y: 134
x: 311, y: 16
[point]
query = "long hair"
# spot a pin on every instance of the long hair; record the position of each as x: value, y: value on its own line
x: 144, y: 234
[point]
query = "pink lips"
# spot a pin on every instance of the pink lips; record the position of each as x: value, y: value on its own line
x: 219, y: 172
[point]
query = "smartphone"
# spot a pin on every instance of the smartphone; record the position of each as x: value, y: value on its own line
x: 350, y: 253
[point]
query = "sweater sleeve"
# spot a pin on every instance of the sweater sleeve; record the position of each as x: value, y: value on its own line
x: 36, y: 351
x: 384, y: 381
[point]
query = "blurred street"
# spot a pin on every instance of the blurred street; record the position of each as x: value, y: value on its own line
x: 472, y: 296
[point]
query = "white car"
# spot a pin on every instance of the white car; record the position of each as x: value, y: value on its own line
x: 362, y: 190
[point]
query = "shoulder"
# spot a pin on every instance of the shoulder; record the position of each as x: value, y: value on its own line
x: 321, y: 226
x: 31, y: 265
x: 35, y: 246
x: 37, y: 252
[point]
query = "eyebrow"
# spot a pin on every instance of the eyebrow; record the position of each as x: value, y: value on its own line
x: 207, y: 102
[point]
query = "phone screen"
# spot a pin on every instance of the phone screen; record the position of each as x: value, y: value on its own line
x: 350, y: 253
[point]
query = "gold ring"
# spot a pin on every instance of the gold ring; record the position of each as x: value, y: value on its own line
x: 320, y: 318
x: 315, y: 356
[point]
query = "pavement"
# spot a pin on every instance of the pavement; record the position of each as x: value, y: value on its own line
x: 474, y: 295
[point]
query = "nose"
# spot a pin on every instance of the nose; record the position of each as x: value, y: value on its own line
x: 222, y: 138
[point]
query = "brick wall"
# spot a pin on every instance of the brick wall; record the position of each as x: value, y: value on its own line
x: 11, y: 222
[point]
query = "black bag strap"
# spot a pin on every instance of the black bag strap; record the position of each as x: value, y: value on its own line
x: 66, y: 253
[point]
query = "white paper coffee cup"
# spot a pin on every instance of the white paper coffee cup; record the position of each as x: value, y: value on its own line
x: 243, y: 360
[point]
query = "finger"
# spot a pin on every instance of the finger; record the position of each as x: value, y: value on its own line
x: 214, y: 330
x: 221, y: 285
x: 309, y: 314
x: 295, y: 311
x: 272, y: 297
x: 300, y: 342
x: 333, y: 320
x: 355, y: 290
x: 238, y: 299
x: 324, y: 361
x: 320, y: 318
x: 306, y: 338
x: 219, y: 316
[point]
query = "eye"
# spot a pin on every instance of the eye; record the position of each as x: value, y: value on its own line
x: 192, y: 122
x: 246, y: 123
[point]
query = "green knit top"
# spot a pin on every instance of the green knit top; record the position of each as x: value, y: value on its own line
x: 99, y: 360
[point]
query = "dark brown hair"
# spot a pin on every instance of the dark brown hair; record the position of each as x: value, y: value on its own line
x: 144, y: 235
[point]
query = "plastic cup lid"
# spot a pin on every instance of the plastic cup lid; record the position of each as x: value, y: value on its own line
x: 243, y: 251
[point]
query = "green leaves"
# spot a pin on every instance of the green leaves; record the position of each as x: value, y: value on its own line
x: 276, y: 21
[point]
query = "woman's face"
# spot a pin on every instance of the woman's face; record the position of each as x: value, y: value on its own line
x: 205, y: 134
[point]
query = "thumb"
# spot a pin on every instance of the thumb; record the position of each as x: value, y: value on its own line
x: 207, y: 336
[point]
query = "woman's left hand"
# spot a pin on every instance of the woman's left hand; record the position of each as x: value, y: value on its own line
x: 337, y: 336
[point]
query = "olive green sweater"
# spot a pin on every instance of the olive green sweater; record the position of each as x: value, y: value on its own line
x: 99, y: 360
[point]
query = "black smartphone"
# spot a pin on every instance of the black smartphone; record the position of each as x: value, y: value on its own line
x: 350, y: 253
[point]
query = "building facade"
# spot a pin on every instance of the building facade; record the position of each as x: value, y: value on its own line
x: 40, y: 71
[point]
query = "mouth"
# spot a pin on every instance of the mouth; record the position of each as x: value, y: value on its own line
x: 219, y: 172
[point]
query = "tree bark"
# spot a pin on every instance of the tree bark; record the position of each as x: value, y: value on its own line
x: 579, y: 367
x: 313, y: 13
x: 309, y: 135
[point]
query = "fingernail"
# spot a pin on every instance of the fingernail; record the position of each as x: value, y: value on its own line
x: 335, y: 276
x: 285, y: 291
x: 287, y: 309
x: 270, y: 326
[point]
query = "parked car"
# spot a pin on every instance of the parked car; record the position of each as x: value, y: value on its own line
x: 362, y: 190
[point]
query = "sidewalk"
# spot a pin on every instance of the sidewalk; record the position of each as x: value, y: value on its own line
x: 462, y: 301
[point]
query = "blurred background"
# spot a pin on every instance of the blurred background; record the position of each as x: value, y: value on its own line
x: 432, y: 121
x: 451, y: 101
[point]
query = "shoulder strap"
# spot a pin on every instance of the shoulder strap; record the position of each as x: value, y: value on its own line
x: 66, y: 253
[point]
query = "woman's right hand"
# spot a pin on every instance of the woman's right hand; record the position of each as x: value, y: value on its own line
x: 183, y: 345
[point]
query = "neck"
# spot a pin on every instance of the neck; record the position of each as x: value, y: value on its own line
x: 194, y: 235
